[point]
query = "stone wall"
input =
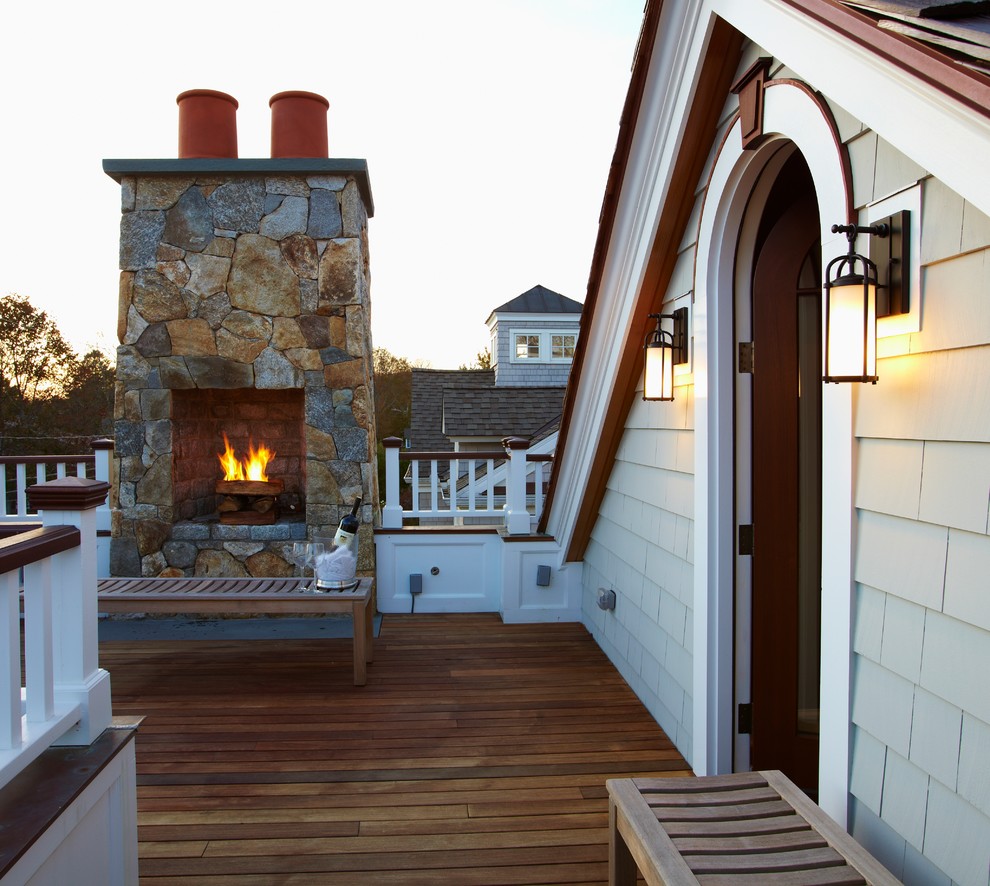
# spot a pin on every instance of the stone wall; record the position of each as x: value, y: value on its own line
x: 240, y: 282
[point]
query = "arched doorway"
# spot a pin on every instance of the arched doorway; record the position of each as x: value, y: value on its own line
x: 781, y: 532
x: 796, y: 119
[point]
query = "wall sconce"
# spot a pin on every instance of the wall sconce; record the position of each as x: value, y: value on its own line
x: 854, y: 298
x: 662, y: 350
x: 851, y: 311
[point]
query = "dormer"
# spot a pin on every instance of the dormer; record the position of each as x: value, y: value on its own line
x: 533, y: 339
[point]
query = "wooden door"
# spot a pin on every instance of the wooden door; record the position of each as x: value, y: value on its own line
x: 786, y: 493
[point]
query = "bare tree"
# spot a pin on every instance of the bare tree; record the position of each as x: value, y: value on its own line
x: 393, y: 393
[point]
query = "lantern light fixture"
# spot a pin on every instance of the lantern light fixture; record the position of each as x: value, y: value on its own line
x: 851, y: 311
x: 662, y: 350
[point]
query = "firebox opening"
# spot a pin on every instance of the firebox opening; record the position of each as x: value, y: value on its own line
x: 201, y: 418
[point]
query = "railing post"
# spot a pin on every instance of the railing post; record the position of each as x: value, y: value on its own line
x: 516, y: 515
x: 20, y: 490
x: 73, y: 501
x: 103, y: 450
x: 392, y: 512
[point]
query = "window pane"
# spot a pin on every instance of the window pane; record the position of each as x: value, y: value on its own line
x: 562, y: 347
x: 527, y: 347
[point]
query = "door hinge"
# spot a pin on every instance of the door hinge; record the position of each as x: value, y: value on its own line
x: 746, y: 539
x: 746, y: 356
x: 745, y: 718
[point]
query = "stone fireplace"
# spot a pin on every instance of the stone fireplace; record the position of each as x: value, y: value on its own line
x: 243, y: 311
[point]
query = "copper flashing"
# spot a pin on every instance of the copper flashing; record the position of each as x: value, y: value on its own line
x: 840, y: 147
x: 970, y: 88
x: 606, y: 218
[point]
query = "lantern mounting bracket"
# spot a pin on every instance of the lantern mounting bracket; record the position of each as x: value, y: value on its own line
x: 878, y: 230
x: 678, y: 333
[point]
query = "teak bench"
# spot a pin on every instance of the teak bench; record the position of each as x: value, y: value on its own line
x: 748, y: 828
x: 246, y: 596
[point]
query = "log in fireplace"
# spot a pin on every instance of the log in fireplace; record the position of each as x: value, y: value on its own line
x: 248, y: 502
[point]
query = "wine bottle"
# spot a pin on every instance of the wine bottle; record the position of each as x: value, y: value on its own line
x: 348, y: 527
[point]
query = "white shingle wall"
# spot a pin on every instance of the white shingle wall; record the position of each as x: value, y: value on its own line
x: 642, y: 548
x: 920, y: 776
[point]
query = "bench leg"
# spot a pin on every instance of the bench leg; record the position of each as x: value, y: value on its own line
x: 622, y: 868
x: 369, y: 632
x: 360, y: 630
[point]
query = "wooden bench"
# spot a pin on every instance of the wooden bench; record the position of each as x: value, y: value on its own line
x: 748, y: 828
x: 245, y: 596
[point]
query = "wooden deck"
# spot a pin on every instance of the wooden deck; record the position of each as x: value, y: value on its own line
x: 476, y: 754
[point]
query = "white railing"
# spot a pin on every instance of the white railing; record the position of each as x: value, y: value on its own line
x: 506, y: 485
x: 61, y: 696
x: 18, y: 472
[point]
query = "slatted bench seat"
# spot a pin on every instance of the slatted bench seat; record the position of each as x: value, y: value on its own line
x: 747, y: 829
x: 245, y: 596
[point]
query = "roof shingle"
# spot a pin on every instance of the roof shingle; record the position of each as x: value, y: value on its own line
x: 499, y: 412
x: 426, y: 429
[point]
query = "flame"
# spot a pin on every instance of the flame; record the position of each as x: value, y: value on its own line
x: 251, y: 468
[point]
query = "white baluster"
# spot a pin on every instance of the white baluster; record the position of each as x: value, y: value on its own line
x: 10, y: 664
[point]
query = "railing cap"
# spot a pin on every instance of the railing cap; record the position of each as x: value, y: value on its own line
x: 392, y: 443
x: 516, y: 443
x: 68, y: 494
x: 102, y: 443
x: 35, y: 545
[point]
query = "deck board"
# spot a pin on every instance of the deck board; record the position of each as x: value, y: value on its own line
x: 476, y: 754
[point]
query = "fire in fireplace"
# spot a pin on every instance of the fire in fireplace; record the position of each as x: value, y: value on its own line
x: 249, y: 497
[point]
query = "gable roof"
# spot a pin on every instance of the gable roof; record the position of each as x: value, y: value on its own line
x: 907, y: 58
x: 702, y: 119
x: 428, y: 387
x: 538, y: 300
x: 499, y: 412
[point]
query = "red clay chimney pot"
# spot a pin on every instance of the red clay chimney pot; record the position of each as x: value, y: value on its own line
x: 207, y: 124
x: 299, y: 124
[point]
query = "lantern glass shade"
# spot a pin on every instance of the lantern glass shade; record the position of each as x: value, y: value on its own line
x: 658, y: 377
x: 851, y: 329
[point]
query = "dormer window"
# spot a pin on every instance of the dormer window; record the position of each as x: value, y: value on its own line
x: 543, y: 346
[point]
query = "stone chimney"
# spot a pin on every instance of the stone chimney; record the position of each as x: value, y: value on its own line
x: 243, y: 310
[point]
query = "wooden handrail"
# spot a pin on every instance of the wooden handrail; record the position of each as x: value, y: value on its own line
x: 35, y: 545
x: 450, y: 455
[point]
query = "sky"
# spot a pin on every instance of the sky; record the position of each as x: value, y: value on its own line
x: 488, y: 127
